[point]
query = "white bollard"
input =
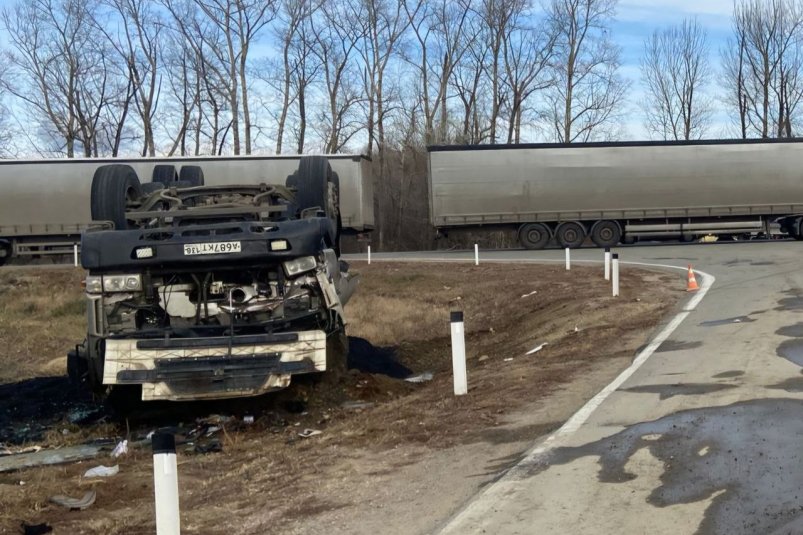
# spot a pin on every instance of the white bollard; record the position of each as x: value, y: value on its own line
x: 165, y: 484
x: 459, y: 354
x: 568, y: 259
x: 369, y: 255
x: 75, y: 254
x: 607, y: 263
x: 476, y: 255
x: 615, y: 274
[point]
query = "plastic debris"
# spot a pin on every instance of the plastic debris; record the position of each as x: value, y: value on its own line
x: 508, y: 359
x: 75, y: 503
x: 69, y: 454
x: 120, y: 449
x: 306, y: 433
x: 248, y: 419
x: 420, y: 378
x: 213, y: 446
x: 536, y: 349
x: 483, y: 358
x: 529, y: 294
x: 102, y: 471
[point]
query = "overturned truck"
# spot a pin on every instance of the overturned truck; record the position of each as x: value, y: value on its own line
x: 202, y: 292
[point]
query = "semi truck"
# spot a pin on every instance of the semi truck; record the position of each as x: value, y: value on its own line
x: 619, y: 192
x: 45, y: 204
x: 199, y: 291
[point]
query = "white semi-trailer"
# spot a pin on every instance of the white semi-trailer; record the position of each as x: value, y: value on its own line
x: 45, y: 204
x: 619, y: 192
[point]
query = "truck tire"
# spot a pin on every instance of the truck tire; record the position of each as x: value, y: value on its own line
x: 534, y: 235
x: 164, y: 174
x: 570, y: 234
x: 606, y: 233
x: 312, y: 185
x: 112, y: 187
x: 192, y: 174
x: 5, y: 252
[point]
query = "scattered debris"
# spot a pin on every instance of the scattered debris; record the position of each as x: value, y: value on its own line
x: 356, y: 405
x: 483, y: 358
x: 35, y: 529
x: 248, y: 419
x: 120, y: 449
x: 576, y: 329
x: 75, y: 503
x: 509, y: 359
x: 306, y: 433
x: 102, y: 471
x: 420, y: 378
x: 213, y: 446
x: 536, y: 349
x: 529, y: 294
x: 70, y: 454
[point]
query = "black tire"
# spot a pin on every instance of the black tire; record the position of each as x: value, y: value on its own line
x: 192, y: 174
x: 165, y: 174
x: 534, y: 235
x: 570, y: 234
x: 606, y: 233
x: 5, y: 252
x: 112, y: 187
x: 311, y: 182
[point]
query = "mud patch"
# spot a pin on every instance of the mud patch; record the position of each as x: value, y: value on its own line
x: 793, y: 384
x: 791, y: 303
x: 670, y: 391
x: 727, y: 321
x: 677, y: 345
x: 757, y: 462
x: 791, y: 350
x: 792, y: 331
x: 728, y: 375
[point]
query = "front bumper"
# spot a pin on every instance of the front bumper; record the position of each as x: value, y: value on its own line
x: 211, y: 368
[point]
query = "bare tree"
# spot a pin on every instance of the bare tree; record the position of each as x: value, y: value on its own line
x: 675, y: 71
x: 764, y: 65
x: 588, y: 91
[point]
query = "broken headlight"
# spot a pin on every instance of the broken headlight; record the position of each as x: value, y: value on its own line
x: 113, y: 283
x: 300, y: 265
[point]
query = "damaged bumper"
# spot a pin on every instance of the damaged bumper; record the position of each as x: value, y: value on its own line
x: 216, y: 367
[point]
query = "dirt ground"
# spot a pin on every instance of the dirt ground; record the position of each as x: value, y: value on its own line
x: 392, y: 456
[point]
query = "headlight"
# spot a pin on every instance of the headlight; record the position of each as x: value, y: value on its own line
x: 113, y: 283
x: 300, y: 265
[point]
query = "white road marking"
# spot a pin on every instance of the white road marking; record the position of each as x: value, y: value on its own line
x: 496, y: 491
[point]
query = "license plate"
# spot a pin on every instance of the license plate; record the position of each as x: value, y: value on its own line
x: 220, y: 247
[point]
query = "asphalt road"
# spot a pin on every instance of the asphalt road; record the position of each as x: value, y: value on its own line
x: 706, y: 436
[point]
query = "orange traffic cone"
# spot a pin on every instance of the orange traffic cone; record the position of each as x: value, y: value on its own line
x: 692, y: 284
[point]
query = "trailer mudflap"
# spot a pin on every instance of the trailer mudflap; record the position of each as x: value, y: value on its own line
x: 191, y: 371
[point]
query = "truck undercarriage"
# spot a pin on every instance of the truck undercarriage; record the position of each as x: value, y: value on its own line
x: 212, y: 292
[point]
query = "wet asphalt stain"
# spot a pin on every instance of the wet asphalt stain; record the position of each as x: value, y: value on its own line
x: 764, y: 263
x: 792, y: 385
x: 675, y: 258
x: 680, y: 389
x: 732, y: 263
x: 792, y: 331
x: 791, y: 350
x: 727, y: 375
x: 728, y: 321
x: 677, y: 345
x: 740, y: 449
x: 791, y: 303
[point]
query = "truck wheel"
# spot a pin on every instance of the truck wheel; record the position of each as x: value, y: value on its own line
x: 5, y: 252
x: 164, y: 174
x: 192, y: 174
x: 606, y: 233
x: 312, y: 185
x: 570, y: 234
x: 113, y: 186
x: 534, y: 236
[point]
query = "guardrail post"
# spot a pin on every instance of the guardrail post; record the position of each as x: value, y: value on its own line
x: 476, y: 254
x: 165, y: 484
x: 369, y: 255
x: 615, y: 274
x: 568, y: 259
x: 75, y: 254
x: 607, y: 263
x: 459, y: 354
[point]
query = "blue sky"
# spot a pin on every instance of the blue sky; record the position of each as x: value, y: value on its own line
x: 637, y: 19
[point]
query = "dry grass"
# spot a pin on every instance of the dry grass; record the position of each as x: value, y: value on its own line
x: 41, y: 318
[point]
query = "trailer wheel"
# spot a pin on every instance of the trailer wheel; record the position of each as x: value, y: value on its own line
x: 5, y: 252
x: 606, y: 233
x: 313, y: 182
x: 534, y: 235
x: 192, y: 174
x: 571, y: 234
x: 113, y: 186
x: 164, y: 174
